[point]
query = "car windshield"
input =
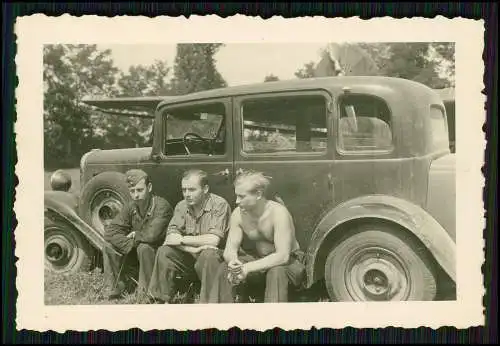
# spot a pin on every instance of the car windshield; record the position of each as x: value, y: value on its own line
x: 203, y: 124
x: 195, y: 129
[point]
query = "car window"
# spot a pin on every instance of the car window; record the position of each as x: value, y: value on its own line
x: 196, y: 129
x: 291, y: 124
x: 439, y: 128
x: 364, y: 124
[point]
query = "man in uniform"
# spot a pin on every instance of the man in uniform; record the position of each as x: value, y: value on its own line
x: 199, y: 224
x: 274, y: 255
x: 135, y: 234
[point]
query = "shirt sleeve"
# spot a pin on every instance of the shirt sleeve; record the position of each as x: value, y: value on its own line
x: 116, y: 232
x: 178, y: 222
x: 154, y: 230
x: 218, y: 223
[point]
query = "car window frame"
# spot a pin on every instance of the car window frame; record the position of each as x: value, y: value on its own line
x: 444, y: 117
x: 347, y: 154
x: 226, y: 101
x: 239, y: 129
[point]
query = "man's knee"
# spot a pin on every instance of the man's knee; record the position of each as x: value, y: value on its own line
x: 163, y: 254
x: 208, y: 257
x: 276, y: 274
x: 144, y: 250
x: 165, y: 251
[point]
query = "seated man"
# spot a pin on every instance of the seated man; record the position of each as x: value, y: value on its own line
x: 268, y: 227
x: 135, y: 233
x: 199, y: 223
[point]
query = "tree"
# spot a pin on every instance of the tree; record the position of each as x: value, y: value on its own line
x: 142, y: 80
x: 414, y: 61
x: 194, y: 68
x: 271, y: 78
x: 120, y: 131
x: 71, y: 72
x: 446, y: 57
x: 417, y: 61
x: 307, y: 71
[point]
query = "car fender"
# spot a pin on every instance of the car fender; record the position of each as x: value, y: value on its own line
x: 65, y: 205
x: 387, y: 208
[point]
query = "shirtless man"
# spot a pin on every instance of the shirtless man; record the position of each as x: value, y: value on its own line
x: 274, y: 251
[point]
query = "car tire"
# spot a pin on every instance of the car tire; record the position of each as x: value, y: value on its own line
x: 102, y: 198
x: 65, y: 249
x: 379, y: 263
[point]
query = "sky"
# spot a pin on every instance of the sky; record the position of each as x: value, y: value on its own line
x: 239, y: 63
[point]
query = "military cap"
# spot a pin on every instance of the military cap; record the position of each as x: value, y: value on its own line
x: 134, y: 176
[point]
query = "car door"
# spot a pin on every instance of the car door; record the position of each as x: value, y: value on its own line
x: 195, y: 135
x: 286, y: 135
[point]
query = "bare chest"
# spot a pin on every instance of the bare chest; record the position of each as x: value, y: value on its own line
x: 257, y: 229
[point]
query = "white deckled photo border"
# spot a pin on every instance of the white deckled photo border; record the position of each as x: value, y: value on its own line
x: 36, y: 30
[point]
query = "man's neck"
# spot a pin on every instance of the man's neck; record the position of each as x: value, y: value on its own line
x: 145, y: 206
x: 259, y: 208
x: 197, y: 208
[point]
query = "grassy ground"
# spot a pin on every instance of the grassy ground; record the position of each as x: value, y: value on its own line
x: 79, y: 289
x: 87, y: 288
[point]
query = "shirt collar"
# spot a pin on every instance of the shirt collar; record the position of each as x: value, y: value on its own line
x: 207, y: 205
x: 150, y: 208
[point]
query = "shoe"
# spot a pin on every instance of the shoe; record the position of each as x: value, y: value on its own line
x: 117, y: 292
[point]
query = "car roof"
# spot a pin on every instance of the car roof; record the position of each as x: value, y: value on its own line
x: 327, y: 83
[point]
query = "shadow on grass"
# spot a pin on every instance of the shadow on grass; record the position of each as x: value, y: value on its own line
x: 87, y: 288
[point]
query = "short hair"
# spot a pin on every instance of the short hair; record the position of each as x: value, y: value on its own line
x: 259, y: 181
x: 134, y: 176
x: 202, y: 176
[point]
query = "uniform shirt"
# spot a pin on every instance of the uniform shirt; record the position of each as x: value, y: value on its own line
x: 212, y: 219
x: 149, y: 228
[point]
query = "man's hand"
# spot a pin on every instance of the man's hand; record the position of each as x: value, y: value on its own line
x: 131, y: 235
x: 234, y: 265
x: 237, y: 272
x: 174, y: 239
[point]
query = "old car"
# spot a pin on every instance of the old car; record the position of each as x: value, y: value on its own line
x: 362, y: 163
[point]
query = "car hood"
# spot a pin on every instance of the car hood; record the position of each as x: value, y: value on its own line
x: 132, y: 155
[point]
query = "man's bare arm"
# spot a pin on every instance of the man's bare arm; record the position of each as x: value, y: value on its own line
x: 200, y: 240
x: 234, y: 237
x: 283, y: 231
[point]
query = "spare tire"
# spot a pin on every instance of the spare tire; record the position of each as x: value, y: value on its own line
x: 102, y: 198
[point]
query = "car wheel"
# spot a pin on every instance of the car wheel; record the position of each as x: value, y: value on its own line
x: 102, y: 199
x: 66, y: 250
x: 379, y: 263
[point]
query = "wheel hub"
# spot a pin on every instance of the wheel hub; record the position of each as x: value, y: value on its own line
x: 58, y: 250
x: 106, y: 205
x: 377, y: 275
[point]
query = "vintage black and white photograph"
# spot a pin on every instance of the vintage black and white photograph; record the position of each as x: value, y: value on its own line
x: 216, y: 172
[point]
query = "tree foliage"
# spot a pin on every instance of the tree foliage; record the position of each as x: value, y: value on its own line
x: 432, y: 64
x: 271, y: 78
x: 153, y: 80
x: 195, y: 68
x: 307, y: 71
x: 70, y: 73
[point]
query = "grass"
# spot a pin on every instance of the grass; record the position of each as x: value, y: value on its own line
x: 87, y: 288
x: 79, y: 289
